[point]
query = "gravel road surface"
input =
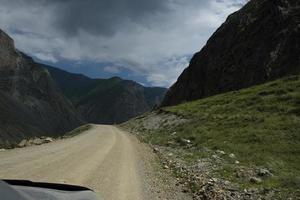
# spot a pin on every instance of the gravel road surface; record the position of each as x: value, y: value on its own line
x: 111, y: 162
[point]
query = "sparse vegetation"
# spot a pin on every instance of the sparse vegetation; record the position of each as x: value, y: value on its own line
x: 260, y: 125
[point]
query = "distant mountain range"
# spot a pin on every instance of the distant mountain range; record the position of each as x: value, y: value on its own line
x: 30, y: 102
x: 257, y: 44
x: 106, y: 101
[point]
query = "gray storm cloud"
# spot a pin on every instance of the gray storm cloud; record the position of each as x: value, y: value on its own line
x: 97, y: 17
x: 151, y: 38
x: 105, y: 17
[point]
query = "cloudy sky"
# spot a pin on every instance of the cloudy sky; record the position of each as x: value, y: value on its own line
x: 150, y: 41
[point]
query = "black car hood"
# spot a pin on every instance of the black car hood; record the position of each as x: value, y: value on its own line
x: 27, y: 190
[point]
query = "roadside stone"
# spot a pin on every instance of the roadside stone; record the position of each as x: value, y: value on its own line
x: 170, y: 143
x: 264, y: 173
x: 214, y: 180
x: 37, y: 141
x: 185, y: 141
x: 210, y: 183
x: 220, y: 152
x: 255, y: 180
x: 29, y: 142
x: 174, y: 133
x: 48, y: 140
x: 231, y: 155
x: 155, y: 149
x: 22, y: 143
x: 227, y: 183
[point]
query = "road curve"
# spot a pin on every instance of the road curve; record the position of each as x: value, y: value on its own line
x: 102, y: 158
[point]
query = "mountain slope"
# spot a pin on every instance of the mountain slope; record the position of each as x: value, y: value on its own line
x: 73, y: 85
x: 106, y: 101
x: 31, y: 104
x: 259, y: 43
x: 249, y: 137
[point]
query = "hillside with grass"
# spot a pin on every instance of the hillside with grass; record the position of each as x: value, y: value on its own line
x: 249, y: 137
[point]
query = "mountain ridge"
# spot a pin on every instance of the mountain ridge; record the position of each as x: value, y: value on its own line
x: 256, y: 44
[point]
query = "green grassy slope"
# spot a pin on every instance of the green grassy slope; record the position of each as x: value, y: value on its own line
x: 260, y: 125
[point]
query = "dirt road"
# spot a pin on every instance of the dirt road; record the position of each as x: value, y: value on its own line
x: 103, y: 158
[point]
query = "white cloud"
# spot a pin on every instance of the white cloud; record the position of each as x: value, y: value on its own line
x: 46, y: 57
x: 172, y: 68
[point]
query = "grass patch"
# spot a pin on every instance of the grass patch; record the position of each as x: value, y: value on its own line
x: 260, y: 125
x: 78, y: 130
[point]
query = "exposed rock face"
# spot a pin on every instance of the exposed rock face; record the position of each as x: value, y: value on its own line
x: 107, y: 101
x: 259, y: 43
x: 30, y: 103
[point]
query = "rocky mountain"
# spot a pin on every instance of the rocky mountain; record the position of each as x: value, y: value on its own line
x: 30, y: 102
x: 107, y: 101
x: 256, y: 44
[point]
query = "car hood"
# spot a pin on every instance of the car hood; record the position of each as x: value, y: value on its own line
x: 27, y: 190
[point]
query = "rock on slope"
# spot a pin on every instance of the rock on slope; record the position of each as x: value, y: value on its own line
x: 107, y: 101
x: 256, y: 44
x: 30, y: 103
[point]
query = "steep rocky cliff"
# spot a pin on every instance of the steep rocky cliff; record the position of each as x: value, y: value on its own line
x: 260, y: 42
x: 107, y: 101
x: 30, y: 102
